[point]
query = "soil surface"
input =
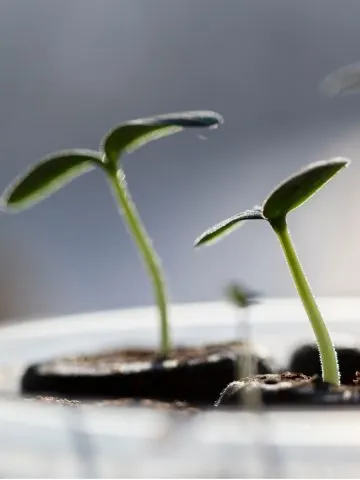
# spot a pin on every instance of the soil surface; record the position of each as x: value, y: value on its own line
x: 127, y: 359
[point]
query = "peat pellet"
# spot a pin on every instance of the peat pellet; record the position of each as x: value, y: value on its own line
x: 286, y: 389
x: 194, y: 375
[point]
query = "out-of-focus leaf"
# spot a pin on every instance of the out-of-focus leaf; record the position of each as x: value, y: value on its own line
x: 345, y: 80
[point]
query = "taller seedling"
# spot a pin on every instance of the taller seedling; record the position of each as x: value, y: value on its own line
x: 286, y: 197
x: 54, y: 171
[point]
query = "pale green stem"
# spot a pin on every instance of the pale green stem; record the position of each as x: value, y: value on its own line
x: 247, y: 365
x: 330, y: 368
x: 148, y: 254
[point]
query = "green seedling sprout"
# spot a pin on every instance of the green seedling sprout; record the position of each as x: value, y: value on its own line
x: 55, y: 170
x: 286, y: 197
x: 242, y: 298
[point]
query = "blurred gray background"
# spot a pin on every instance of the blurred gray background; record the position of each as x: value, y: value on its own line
x: 71, y: 69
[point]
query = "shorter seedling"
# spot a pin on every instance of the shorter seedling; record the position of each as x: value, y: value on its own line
x: 54, y: 171
x: 286, y: 197
x: 242, y: 298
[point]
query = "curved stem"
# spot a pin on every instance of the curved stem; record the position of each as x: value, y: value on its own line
x: 152, y: 262
x: 329, y: 364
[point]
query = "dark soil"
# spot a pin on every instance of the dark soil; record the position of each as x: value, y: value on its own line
x: 191, y: 379
x: 288, y: 388
x: 193, y: 375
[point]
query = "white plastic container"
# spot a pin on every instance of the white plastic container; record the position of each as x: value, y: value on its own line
x: 46, y: 441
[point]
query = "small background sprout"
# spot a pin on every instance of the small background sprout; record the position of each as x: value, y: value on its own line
x: 242, y: 298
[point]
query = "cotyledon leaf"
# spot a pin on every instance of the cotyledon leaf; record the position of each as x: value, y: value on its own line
x: 49, y: 175
x: 297, y: 189
x: 134, y: 134
x: 223, y: 228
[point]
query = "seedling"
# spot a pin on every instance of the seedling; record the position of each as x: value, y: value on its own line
x: 242, y: 298
x: 55, y: 170
x: 290, y: 194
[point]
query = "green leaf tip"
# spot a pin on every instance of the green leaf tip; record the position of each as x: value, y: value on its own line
x: 301, y: 186
x: 191, y: 118
x: 343, y: 81
x: 47, y: 176
x: 225, y: 227
x: 132, y: 135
